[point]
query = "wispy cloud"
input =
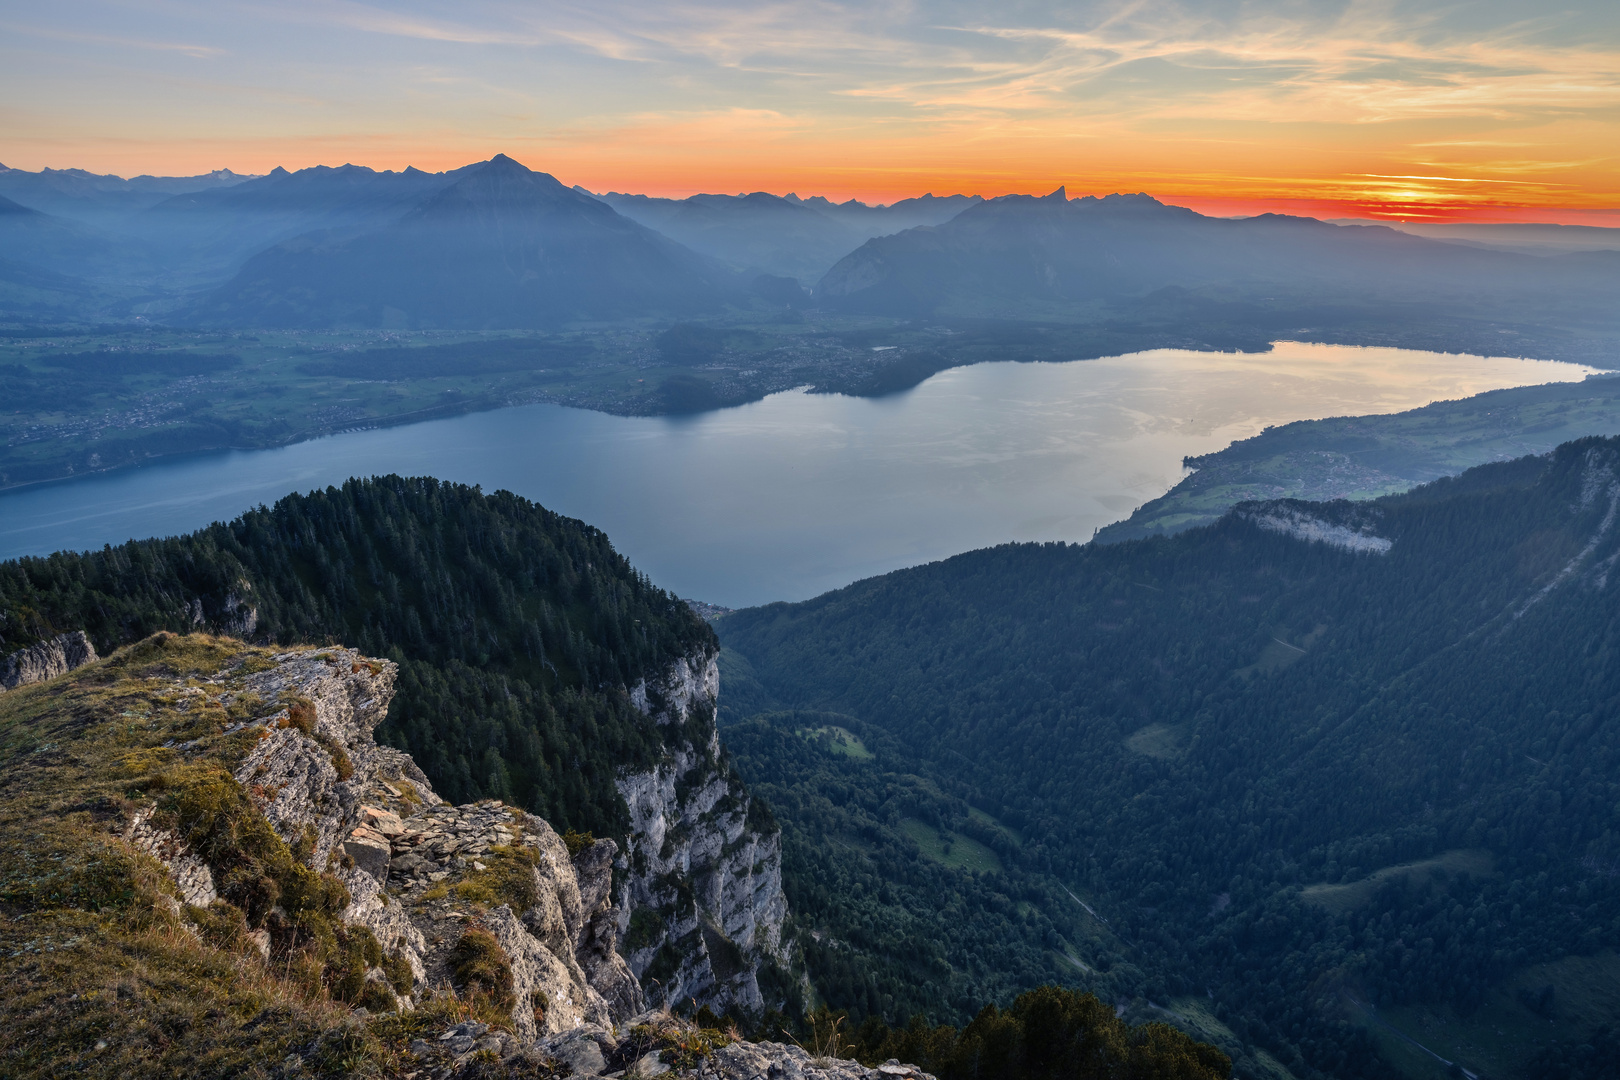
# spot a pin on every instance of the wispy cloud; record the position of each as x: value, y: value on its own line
x: 1425, y: 96
x: 80, y: 37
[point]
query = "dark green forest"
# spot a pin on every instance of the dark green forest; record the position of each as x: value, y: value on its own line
x: 1302, y: 784
x: 849, y: 866
x: 517, y: 630
x: 1047, y: 1034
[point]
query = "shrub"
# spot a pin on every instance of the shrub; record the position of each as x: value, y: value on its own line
x: 509, y: 879
x: 483, y: 972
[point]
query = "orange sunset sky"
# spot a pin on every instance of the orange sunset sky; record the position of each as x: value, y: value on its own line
x: 1497, y: 111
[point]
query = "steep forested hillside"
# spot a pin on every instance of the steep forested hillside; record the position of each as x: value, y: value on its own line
x: 1317, y: 786
x: 516, y: 629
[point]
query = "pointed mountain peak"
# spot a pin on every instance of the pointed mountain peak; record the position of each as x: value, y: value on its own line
x: 500, y: 164
x: 1060, y: 195
x: 279, y: 171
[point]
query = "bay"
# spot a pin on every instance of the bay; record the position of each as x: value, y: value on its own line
x: 787, y: 497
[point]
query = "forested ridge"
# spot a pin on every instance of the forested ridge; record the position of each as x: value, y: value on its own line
x: 517, y: 630
x: 1223, y: 737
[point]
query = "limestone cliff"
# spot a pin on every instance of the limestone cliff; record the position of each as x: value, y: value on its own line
x: 699, y: 909
x: 701, y: 905
x: 212, y: 869
x: 420, y: 874
x: 46, y: 660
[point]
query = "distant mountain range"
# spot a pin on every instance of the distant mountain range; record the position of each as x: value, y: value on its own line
x: 500, y: 246
x: 1037, y: 256
x: 496, y: 245
x: 92, y: 197
x: 784, y: 236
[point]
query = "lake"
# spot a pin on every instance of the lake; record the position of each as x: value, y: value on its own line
x: 800, y: 493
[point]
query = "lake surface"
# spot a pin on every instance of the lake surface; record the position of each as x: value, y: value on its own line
x: 788, y: 497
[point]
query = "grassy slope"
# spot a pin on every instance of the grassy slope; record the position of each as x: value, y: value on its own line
x: 100, y: 974
x: 1364, y: 457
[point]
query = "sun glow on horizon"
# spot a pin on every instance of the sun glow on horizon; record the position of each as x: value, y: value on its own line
x: 1369, y: 109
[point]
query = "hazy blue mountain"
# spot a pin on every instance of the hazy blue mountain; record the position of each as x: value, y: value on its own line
x: 1020, y: 254
x: 760, y: 232
x: 36, y: 241
x: 781, y: 235
x: 883, y: 219
x: 1529, y: 238
x: 502, y: 246
x: 214, y: 231
x: 88, y: 196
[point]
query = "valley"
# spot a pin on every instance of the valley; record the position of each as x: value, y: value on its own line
x: 1358, y: 829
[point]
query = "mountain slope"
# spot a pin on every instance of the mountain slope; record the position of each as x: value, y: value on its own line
x: 881, y: 220
x: 500, y: 247
x: 1019, y: 253
x: 1313, y: 760
x: 784, y: 236
x: 102, y: 200
x: 1361, y: 457
x: 535, y: 666
x: 57, y: 245
x: 212, y: 231
x: 760, y: 232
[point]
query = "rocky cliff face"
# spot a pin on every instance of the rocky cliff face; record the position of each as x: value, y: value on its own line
x: 46, y: 660
x: 211, y: 865
x: 701, y: 906
x: 699, y: 909
x: 421, y: 875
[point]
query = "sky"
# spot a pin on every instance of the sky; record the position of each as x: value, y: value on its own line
x: 1478, y: 110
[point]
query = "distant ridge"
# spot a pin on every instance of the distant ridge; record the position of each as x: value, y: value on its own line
x: 501, y: 246
x: 1019, y: 252
x: 782, y: 235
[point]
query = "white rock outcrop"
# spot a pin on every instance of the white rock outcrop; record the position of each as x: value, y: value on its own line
x: 1282, y: 518
x: 702, y: 906
x: 46, y: 660
x: 411, y: 862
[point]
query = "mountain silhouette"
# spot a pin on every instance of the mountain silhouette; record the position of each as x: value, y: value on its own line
x: 501, y: 247
x: 1021, y: 253
x: 214, y: 231
x: 783, y: 236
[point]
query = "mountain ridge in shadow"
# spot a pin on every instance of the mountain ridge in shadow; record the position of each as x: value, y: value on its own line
x: 502, y: 246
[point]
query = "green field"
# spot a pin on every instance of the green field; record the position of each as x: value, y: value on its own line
x: 951, y: 849
x: 840, y: 741
x: 1161, y: 741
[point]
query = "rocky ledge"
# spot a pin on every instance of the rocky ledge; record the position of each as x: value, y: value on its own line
x: 649, y: 1045
x: 426, y: 878
x: 486, y: 902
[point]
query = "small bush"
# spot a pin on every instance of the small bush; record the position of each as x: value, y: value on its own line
x: 509, y: 880
x: 482, y: 970
x: 398, y: 970
x: 300, y: 715
x: 577, y: 842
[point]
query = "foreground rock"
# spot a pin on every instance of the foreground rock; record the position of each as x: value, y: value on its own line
x: 212, y: 869
x: 649, y: 1045
x: 371, y: 815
